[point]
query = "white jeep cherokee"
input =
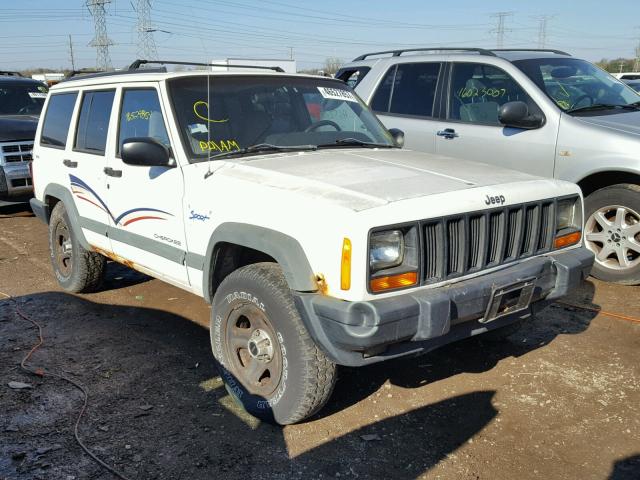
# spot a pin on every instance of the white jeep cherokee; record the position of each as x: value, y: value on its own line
x: 285, y: 203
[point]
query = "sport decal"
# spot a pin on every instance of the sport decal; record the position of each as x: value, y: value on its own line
x: 84, y: 192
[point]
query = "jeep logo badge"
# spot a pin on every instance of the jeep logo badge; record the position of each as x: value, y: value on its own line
x: 497, y: 199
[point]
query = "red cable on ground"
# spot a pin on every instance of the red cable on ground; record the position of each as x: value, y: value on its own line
x: 41, y: 373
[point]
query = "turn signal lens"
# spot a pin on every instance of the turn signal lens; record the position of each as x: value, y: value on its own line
x: 394, y: 281
x: 566, y: 240
x: 345, y: 266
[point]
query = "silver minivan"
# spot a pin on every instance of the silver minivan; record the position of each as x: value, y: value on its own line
x: 540, y: 111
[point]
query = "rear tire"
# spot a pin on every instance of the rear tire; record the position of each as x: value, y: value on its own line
x: 76, y: 269
x: 612, y: 232
x: 266, y: 358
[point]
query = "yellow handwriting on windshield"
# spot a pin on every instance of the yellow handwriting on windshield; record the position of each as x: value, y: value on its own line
x: 138, y: 115
x: 201, y: 106
x: 219, y: 146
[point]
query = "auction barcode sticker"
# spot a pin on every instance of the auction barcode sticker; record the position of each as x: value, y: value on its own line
x: 37, y: 94
x: 337, y: 94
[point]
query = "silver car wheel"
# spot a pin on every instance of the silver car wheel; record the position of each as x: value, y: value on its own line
x: 613, y: 234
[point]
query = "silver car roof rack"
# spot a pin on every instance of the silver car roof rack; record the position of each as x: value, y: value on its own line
x: 397, y: 53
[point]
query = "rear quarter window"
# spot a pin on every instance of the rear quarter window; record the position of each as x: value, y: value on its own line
x: 93, y: 123
x: 57, y: 119
x: 352, y: 76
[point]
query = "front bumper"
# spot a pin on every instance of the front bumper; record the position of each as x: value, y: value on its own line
x: 359, y: 333
x: 15, y: 181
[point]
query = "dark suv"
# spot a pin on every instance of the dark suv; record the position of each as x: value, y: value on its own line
x: 21, y: 100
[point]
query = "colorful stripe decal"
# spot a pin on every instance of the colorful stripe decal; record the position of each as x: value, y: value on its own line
x: 83, y: 191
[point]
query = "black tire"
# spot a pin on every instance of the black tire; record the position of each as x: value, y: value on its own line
x: 501, y: 334
x: 295, y: 378
x: 626, y: 196
x: 76, y: 269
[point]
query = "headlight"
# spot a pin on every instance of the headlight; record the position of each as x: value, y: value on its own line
x: 568, y: 222
x: 569, y: 214
x: 386, y: 250
x: 393, y: 259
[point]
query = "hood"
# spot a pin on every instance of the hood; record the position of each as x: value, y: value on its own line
x: 625, y: 121
x: 360, y: 179
x: 17, y: 127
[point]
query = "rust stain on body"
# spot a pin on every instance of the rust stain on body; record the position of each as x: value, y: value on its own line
x: 323, y: 287
x: 116, y: 258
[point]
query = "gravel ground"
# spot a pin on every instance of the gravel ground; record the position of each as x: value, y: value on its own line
x: 559, y: 399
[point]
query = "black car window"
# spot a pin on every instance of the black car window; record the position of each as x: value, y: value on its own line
x: 411, y: 89
x: 477, y: 91
x: 93, y: 124
x: 352, y: 76
x: 141, y: 116
x: 22, y: 98
x: 57, y: 119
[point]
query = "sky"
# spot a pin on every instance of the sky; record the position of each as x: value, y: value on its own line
x: 34, y: 33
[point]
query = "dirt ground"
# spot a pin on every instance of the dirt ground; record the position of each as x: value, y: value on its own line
x: 558, y: 400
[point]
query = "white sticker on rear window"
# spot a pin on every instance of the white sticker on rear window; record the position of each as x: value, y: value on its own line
x: 337, y: 94
x: 37, y: 95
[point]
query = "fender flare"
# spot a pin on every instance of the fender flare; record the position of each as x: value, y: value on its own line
x: 63, y: 195
x: 286, y: 250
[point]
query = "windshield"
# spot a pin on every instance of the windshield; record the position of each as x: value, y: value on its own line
x: 222, y: 114
x: 574, y: 84
x: 22, y: 98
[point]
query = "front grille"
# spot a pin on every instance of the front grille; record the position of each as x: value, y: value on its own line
x: 463, y: 244
x: 17, y: 152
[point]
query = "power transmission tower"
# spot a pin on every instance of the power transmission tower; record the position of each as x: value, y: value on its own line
x: 500, y: 30
x: 73, y: 61
x: 636, y: 64
x: 98, y: 10
x: 146, y: 43
x: 542, y: 30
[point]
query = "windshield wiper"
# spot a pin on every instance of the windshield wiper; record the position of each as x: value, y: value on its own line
x: 262, y: 147
x: 354, y: 142
x: 604, y: 106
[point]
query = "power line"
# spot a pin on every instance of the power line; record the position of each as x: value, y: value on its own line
x: 98, y: 10
x: 146, y: 43
x: 500, y: 30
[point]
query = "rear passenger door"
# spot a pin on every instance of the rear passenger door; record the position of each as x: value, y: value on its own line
x: 406, y: 98
x: 148, y: 227
x: 472, y: 131
x: 84, y: 164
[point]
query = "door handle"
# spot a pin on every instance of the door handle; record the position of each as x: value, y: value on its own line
x: 448, y: 133
x: 68, y: 163
x: 112, y: 173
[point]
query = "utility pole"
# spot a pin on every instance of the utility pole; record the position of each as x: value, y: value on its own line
x: 290, y: 53
x: 500, y: 30
x: 73, y: 62
x: 146, y: 43
x: 542, y: 30
x: 636, y: 64
x: 98, y: 10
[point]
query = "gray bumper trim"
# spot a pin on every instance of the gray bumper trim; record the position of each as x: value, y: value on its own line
x: 351, y: 333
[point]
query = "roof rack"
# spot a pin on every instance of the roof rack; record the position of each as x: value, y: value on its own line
x: 9, y: 73
x: 397, y: 53
x: 138, y: 63
x: 547, y: 50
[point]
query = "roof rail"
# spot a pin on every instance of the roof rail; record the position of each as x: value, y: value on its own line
x: 138, y: 63
x: 9, y: 73
x: 397, y: 53
x: 547, y: 50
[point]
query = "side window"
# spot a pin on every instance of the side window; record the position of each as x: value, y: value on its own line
x: 380, y: 100
x: 141, y: 116
x: 57, y: 119
x: 477, y: 91
x: 412, y: 89
x: 93, y: 124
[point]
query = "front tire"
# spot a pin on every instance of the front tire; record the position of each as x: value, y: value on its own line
x: 76, y: 269
x: 266, y: 358
x: 612, y: 233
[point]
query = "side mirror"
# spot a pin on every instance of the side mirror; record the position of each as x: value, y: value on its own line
x: 145, y: 152
x: 516, y: 114
x: 398, y: 137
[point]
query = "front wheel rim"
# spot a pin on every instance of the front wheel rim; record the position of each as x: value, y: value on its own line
x: 253, y: 350
x: 612, y: 233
